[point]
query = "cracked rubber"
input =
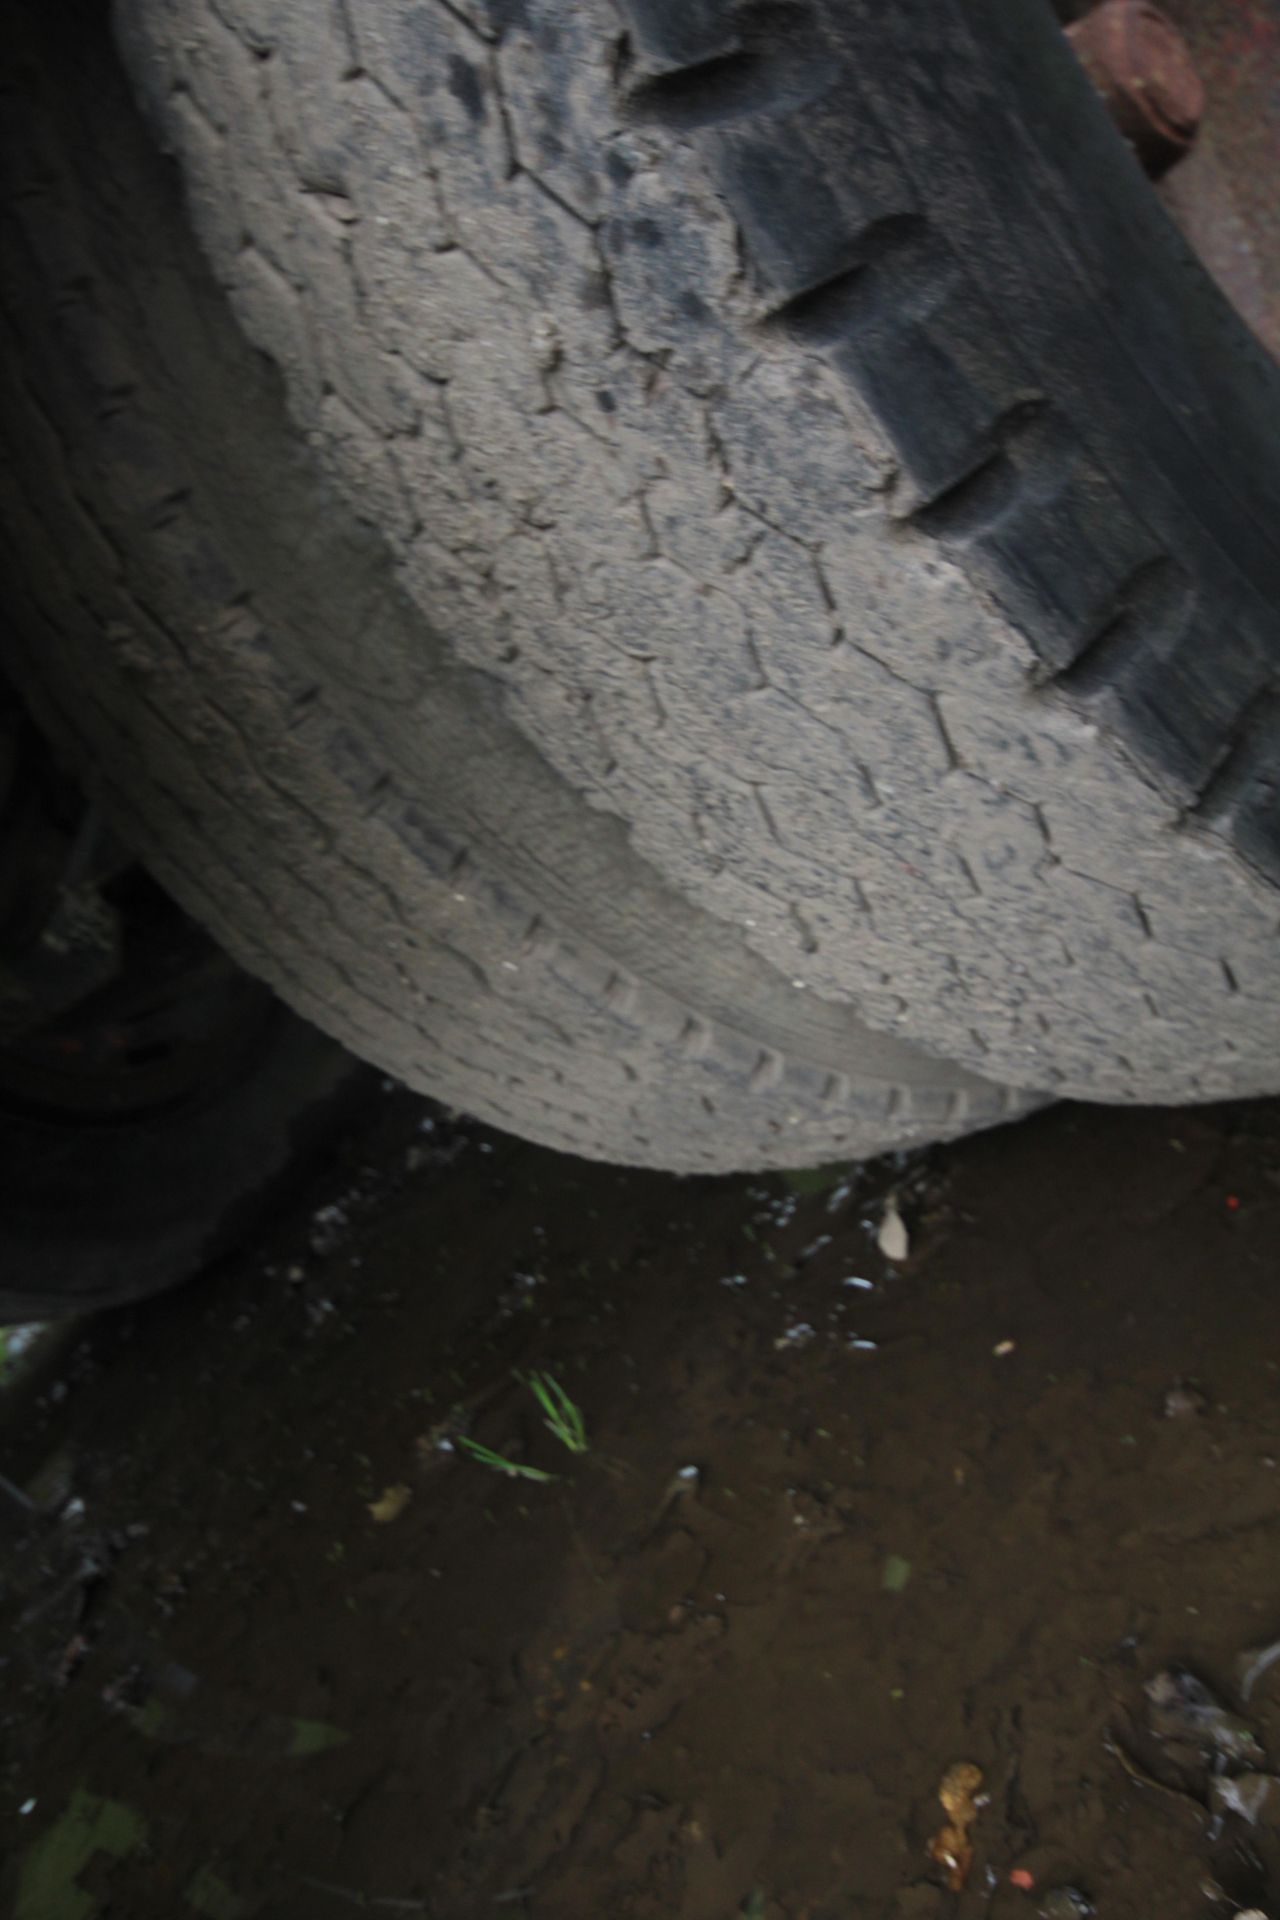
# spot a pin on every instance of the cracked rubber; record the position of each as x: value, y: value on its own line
x: 824, y: 477
x: 808, y: 419
x: 308, y: 762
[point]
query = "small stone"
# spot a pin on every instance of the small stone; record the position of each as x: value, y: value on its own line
x: 1255, y: 1797
x: 390, y: 1504
x: 1065, y: 1903
x: 1182, y: 1402
x: 1180, y: 1707
x: 892, y: 1237
x: 798, y: 1335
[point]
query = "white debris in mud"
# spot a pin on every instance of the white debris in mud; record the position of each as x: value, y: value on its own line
x: 778, y: 1209
x: 798, y: 1335
x: 734, y: 1280
x: 515, y: 1298
x: 892, y: 1238
x: 856, y: 1280
x: 328, y: 1225
x: 18, y: 1340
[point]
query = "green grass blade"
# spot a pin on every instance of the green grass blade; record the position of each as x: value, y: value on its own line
x: 563, y: 1417
x: 500, y: 1463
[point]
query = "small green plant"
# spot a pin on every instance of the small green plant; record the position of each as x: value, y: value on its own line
x: 500, y: 1463
x: 563, y: 1417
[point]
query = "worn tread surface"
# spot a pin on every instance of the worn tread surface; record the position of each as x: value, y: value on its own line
x: 307, y: 763
x: 852, y: 484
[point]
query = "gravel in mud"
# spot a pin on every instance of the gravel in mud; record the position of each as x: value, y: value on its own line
x: 936, y: 1581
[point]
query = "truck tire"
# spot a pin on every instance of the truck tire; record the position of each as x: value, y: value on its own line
x: 307, y: 764
x: 808, y: 418
x: 784, y: 472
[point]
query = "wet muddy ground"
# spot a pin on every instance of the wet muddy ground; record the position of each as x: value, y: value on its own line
x: 276, y: 1643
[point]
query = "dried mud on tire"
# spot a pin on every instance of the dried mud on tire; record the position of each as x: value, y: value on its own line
x: 810, y: 422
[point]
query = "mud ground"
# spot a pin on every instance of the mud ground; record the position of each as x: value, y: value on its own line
x: 274, y: 1645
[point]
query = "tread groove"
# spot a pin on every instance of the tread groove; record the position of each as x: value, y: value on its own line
x: 1247, y: 779
x: 777, y: 64
x: 767, y: 1071
x: 997, y: 483
x: 1144, y: 618
x: 873, y: 289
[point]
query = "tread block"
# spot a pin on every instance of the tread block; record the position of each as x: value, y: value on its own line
x: 866, y: 285
x: 802, y: 218
x: 773, y: 58
x: 667, y: 36
x: 1188, y: 709
x: 1244, y: 789
x: 1146, y: 615
x: 1054, y: 562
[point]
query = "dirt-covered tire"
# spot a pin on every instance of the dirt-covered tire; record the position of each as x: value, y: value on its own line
x: 785, y: 568
x: 806, y: 416
x: 306, y: 761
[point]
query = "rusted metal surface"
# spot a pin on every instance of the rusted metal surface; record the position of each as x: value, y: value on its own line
x: 1198, y: 82
x: 1226, y: 198
x: 1143, y: 68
